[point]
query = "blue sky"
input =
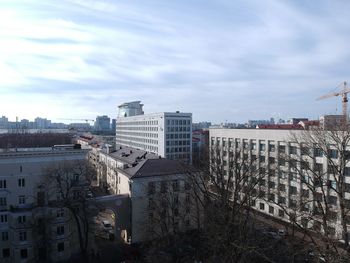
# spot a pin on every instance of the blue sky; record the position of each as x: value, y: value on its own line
x: 220, y: 59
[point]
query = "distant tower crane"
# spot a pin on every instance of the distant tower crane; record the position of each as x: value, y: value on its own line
x: 342, y: 93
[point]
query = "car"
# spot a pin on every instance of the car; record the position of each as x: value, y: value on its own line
x: 281, y: 232
x: 107, y: 225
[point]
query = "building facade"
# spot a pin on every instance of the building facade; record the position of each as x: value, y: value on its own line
x: 168, y: 134
x: 31, y: 230
x: 287, y: 188
x: 157, y: 189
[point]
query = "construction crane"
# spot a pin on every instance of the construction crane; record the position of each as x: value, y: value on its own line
x: 344, y: 96
x: 86, y: 120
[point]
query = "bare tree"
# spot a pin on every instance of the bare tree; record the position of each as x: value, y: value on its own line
x: 320, y: 203
x: 229, y: 189
x: 65, y: 186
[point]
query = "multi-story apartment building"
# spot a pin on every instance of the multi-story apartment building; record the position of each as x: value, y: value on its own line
x: 31, y: 230
x: 289, y: 186
x: 158, y: 189
x: 168, y: 134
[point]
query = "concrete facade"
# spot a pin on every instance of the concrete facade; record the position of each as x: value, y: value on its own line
x: 24, y: 217
x: 143, y: 176
x: 166, y: 134
x: 282, y: 185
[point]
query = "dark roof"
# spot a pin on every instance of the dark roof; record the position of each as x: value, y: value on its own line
x: 159, y: 167
x: 131, y: 155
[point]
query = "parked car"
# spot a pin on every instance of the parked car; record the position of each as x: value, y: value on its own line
x: 281, y: 232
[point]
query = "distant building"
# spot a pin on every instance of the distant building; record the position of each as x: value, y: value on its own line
x: 113, y: 125
x: 41, y: 123
x: 201, y: 125
x: 80, y: 126
x: 253, y: 123
x: 4, y: 122
x: 168, y: 134
x: 102, y: 124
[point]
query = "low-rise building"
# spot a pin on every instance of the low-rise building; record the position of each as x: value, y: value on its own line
x: 159, y: 189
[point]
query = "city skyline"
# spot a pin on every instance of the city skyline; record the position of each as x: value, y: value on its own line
x: 221, y: 61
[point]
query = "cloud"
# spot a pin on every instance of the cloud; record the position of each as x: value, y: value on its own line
x: 220, y: 60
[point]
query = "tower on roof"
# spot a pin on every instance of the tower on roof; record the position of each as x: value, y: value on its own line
x: 129, y: 109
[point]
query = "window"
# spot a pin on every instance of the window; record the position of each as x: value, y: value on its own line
x: 318, y: 152
x: 292, y: 190
x: 3, y: 218
x: 332, y: 200
x: 22, y: 236
x: 319, y: 167
x: 253, y: 146
x: 292, y: 150
x: 281, y: 200
x: 262, y: 146
x: 5, y: 236
x: 281, y: 162
x: 21, y: 182
x: 305, y: 193
x: 282, y: 187
x: 282, y: 148
x: 41, y: 198
x: 272, y: 148
x: 151, y: 188
x: 3, y: 184
x: 282, y: 175
x: 175, y: 185
x: 21, y: 199
x: 163, y: 187
x: 347, y: 171
x: 280, y: 213
x: 333, y: 154
x: 262, y: 158
x: 3, y: 201
x: 272, y: 197
x: 271, y: 209
x: 60, y: 247
x: 262, y: 206
x: 21, y: 219
x: 24, y: 253
x: 305, y: 151
x: 292, y: 203
x: 60, y: 213
x: 176, y: 199
x: 60, y: 230
x: 6, y: 253
x: 293, y: 177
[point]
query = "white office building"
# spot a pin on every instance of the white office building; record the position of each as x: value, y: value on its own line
x: 285, y: 184
x: 168, y: 134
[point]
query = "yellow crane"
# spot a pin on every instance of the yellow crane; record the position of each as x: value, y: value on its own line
x: 344, y: 96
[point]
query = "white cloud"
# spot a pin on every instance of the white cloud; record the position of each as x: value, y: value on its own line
x: 233, y: 56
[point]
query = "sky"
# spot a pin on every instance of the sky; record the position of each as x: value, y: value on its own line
x: 222, y: 60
